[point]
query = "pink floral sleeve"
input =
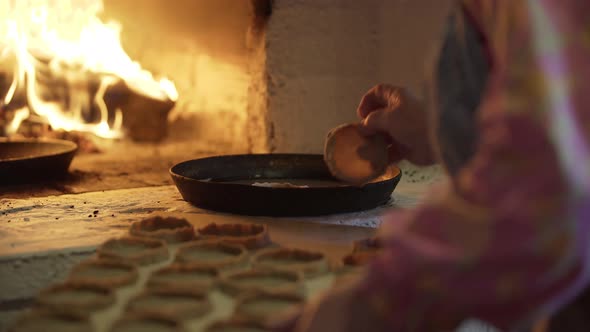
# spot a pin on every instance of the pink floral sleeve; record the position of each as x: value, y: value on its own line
x: 508, y: 241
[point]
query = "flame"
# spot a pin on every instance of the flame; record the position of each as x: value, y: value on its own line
x: 65, y: 41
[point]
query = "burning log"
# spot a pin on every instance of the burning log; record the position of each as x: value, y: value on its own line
x: 144, y: 109
x: 144, y: 104
x: 145, y: 114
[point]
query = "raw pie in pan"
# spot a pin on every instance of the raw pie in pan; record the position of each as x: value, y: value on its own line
x: 353, y: 157
x: 184, y: 276
x: 104, y: 272
x: 79, y: 297
x: 212, y: 254
x: 137, y: 250
x: 179, y: 303
x: 251, y: 236
x: 169, y: 229
x: 268, y: 308
x: 309, y: 263
x: 262, y: 280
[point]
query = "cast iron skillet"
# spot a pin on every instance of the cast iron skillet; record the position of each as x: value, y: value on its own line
x: 207, y: 183
x: 29, y: 160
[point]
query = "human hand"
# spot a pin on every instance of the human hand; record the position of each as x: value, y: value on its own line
x: 393, y: 111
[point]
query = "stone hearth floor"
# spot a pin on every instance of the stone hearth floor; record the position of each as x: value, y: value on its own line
x: 78, y: 220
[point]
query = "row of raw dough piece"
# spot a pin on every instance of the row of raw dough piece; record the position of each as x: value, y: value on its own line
x: 218, y: 256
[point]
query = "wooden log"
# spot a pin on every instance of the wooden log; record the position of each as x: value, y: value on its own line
x: 145, y: 117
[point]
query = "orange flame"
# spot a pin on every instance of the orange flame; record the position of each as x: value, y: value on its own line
x: 66, y: 41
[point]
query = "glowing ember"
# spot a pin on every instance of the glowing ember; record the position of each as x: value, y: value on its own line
x: 66, y: 59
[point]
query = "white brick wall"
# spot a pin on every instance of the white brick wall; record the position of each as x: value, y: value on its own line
x: 323, y: 55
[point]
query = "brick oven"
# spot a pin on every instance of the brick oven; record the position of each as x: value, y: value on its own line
x: 251, y: 76
x: 221, y: 77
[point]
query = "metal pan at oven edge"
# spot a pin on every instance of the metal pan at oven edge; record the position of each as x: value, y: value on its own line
x: 220, y: 184
x: 31, y: 160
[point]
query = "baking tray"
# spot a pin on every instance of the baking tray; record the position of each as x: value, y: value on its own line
x: 29, y: 160
x: 224, y: 183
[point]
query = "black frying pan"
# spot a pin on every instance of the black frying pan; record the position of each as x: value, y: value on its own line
x: 225, y: 184
x: 28, y: 160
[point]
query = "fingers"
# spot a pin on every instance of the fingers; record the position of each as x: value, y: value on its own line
x: 395, y: 112
x: 378, y: 121
x: 380, y: 96
x: 371, y: 101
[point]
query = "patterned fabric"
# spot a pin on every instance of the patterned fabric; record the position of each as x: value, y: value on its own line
x: 508, y: 241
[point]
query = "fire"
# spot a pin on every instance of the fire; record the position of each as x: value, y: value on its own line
x: 65, y: 59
